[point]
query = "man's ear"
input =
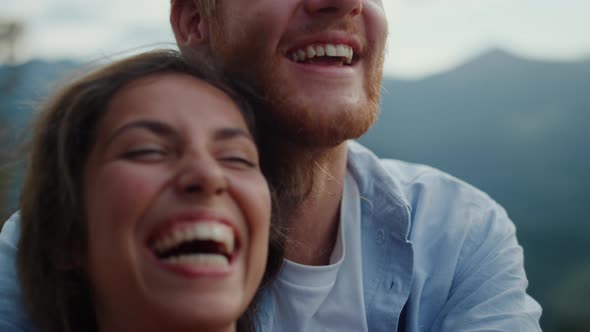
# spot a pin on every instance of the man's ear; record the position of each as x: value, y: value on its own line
x: 190, y: 25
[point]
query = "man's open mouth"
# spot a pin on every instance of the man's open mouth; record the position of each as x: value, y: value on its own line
x: 325, y: 54
x: 209, y: 244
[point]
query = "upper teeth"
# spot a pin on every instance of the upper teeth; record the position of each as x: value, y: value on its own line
x: 317, y: 50
x: 203, y: 231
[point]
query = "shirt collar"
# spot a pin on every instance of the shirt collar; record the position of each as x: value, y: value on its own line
x: 379, y: 189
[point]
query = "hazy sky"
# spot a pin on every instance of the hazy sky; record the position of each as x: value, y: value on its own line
x: 425, y: 35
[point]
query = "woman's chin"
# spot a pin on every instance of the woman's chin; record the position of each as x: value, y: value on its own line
x: 212, y: 307
x: 199, y: 314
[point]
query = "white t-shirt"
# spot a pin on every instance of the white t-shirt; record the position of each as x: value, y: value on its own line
x: 325, y: 298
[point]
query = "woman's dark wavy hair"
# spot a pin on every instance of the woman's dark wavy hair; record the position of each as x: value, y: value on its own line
x: 53, y: 237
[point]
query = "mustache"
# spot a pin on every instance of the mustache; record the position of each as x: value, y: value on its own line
x: 347, y: 26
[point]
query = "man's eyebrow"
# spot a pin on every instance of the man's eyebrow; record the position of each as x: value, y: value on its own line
x: 156, y: 127
x: 230, y: 133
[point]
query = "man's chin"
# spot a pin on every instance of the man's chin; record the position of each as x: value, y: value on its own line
x: 319, y: 119
x: 325, y: 139
x: 307, y: 128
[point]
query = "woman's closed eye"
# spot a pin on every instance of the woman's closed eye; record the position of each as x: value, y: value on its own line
x: 238, y: 161
x: 147, y: 153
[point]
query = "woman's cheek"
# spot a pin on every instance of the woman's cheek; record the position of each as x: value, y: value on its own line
x: 254, y: 195
x: 125, y: 191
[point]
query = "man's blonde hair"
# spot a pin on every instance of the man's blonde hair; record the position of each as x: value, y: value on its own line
x: 207, y: 6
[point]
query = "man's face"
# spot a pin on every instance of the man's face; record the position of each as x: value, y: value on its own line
x: 318, y: 62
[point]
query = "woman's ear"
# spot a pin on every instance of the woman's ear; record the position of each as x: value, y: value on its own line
x: 190, y: 25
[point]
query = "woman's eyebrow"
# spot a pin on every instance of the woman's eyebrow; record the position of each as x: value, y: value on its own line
x: 230, y: 133
x: 156, y: 127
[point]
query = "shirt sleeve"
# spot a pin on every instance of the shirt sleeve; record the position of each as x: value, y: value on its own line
x: 13, y: 316
x: 488, y: 292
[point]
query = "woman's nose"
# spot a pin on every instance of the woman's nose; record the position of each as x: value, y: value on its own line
x: 201, y: 176
x: 334, y: 7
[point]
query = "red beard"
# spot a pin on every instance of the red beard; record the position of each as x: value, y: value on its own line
x: 295, y: 118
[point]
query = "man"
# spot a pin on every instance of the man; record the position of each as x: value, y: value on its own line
x: 374, y: 245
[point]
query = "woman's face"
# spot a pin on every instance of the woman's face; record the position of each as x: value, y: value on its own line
x: 177, y: 209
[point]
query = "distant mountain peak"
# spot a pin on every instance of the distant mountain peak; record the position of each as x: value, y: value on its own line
x: 497, y: 53
x: 494, y: 57
x: 499, y: 58
x: 493, y: 61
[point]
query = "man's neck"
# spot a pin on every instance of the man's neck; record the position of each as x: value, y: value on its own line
x: 313, y: 224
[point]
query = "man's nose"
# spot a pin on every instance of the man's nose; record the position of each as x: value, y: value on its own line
x: 201, y: 176
x: 334, y: 7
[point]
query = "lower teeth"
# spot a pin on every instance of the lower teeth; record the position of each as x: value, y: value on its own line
x: 208, y: 260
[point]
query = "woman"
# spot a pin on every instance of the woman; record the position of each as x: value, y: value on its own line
x: 144, y: 206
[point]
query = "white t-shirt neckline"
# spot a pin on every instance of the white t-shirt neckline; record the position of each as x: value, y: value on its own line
x: 330, y: 297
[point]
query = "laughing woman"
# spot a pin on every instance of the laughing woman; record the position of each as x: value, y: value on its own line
x: 144, y: 206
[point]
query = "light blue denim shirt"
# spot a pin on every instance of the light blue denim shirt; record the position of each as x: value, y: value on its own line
x: 12, y: 313
x: 433, y: 247
x: 437, y: 249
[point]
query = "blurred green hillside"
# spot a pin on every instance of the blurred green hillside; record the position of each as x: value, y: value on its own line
x: 518, y: 129
x: 22, y: 87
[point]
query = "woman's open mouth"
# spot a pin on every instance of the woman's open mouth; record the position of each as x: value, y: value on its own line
x: 208, y: 244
